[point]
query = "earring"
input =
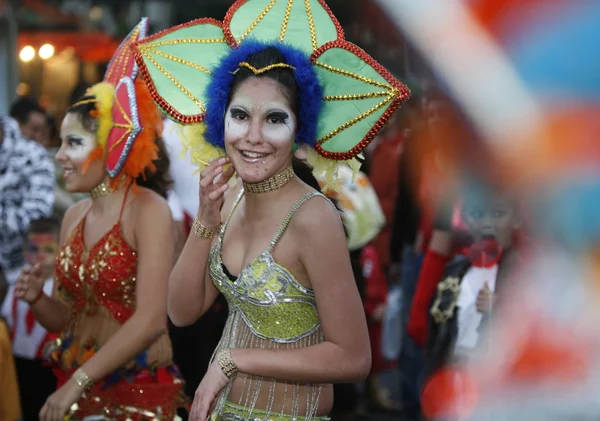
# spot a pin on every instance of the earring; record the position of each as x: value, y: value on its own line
x: 295, y: 147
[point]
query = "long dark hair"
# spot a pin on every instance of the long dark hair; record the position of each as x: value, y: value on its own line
x: 159, y: 181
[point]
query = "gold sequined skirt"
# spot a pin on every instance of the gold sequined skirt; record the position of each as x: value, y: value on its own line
x: 233, y: 412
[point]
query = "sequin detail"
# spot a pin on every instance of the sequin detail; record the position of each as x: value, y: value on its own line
x: 99, y: 286
x: 268, y: 309
x: 103, y: 275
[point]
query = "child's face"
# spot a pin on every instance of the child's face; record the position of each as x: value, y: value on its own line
x: 42, y: 248
x: 494, y: 216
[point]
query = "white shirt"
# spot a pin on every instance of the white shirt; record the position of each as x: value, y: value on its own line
x: 28, y: 341
x: 469, y: 318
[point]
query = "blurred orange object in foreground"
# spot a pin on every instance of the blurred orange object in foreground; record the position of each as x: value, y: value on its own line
x: 450, y: 393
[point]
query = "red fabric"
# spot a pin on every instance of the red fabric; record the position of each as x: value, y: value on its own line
x: 432, y: 272
x: 146, y: 391
x: 376, y: 291
x: 384, y: 176
x: 111, y: 288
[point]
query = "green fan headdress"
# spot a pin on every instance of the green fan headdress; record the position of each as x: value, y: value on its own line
x: 345, y: 95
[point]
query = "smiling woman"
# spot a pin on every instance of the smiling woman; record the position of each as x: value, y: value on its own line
x: 274, y: 77
x: 112, y: 270
x: 261, y: 122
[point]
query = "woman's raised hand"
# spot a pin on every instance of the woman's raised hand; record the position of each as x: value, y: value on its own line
x: 214, y: 181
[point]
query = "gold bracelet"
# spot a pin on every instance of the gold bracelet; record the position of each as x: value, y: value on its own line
x: 204, y: 232
x: 82, y: 379
x: 226, y: 363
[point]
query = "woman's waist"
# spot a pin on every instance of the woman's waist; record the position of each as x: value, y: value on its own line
x: 74, y: 348
x: 279, y: 397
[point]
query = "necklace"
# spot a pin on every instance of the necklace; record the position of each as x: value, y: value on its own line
x: 272, y: 183
x: 100, y: 190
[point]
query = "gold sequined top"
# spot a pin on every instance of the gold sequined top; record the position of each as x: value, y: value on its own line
x: 269, y: 309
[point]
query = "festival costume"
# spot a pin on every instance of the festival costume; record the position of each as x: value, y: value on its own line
x: 345, y: 97
x: 268, y: 309
x: 99, y: 284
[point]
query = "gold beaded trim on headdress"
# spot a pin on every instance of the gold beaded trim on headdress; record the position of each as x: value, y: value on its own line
x: 264, y: 69
x: 85, y: 101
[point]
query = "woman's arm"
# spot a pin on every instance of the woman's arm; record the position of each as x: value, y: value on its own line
x: 154, y: 239
x: 191, y: 291
x: 345, y: 354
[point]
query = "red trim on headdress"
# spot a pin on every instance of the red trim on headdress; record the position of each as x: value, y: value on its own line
x: 160, y: 101
x: 404, y: 94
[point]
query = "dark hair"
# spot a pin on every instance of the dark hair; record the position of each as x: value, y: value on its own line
x: 83, y: 109
x: 159, y: 181
x: 22, y: 109
x: 285, y: 76
x: 44, y: 226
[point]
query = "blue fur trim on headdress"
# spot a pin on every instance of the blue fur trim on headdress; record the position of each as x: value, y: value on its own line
x: 310, y: 91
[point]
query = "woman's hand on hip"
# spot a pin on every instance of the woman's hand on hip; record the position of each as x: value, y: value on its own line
x: 207, y: 393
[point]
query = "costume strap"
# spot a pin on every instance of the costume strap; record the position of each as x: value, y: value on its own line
x: 124, y: 201
x: 290, y: 215
x: 233, y: 208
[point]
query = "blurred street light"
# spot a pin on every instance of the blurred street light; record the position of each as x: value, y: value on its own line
x: 46, y: 51
x: 27, y: 53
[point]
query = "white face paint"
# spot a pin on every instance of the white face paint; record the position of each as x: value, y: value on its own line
x: 76, y: 139
x: 76, y: 147
x: 260, y: 129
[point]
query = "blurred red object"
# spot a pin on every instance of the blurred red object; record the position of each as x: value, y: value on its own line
x: 451, y: 393
x: 485, y: 253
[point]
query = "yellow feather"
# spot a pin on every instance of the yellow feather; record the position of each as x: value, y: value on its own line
x: 105, y: 95
x: 194, y: 142
x: 328, y: 169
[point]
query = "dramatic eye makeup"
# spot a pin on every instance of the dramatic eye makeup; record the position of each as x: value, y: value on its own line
x: 74, y: 141
x: 238, y: 113
x: 278, y: 117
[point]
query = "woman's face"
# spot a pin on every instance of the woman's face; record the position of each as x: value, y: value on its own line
x: 496, y: 217
x: 77, y: 143
x: 260, y: 129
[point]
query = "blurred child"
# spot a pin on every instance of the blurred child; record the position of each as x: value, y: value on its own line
x: 470, y: 286
x: 36, y: 380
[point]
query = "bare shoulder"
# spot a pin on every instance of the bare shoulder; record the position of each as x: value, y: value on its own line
x: 72, y: 216
x: 149, y: 205
x: 317, y: 215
